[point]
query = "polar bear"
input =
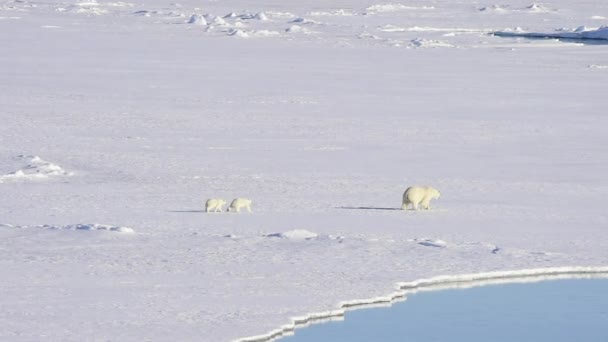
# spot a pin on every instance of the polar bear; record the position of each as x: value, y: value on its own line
x: 214, y: 204
x: 422, y: 195
x: 239, y: 203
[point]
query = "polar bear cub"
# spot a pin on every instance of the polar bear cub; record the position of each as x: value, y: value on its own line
x: 214, y: 204
x: 239, y: 203
x: 419, y: 195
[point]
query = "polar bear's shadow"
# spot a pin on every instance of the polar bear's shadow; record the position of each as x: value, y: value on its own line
x: 368, y: 208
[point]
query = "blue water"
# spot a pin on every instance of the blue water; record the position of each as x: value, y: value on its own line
x: 573, y: 310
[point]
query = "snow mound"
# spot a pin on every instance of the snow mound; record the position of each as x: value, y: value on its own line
x: 303, y: 21
x: 238, y: 33
x: 247, y: 34
x: 431, y: 243
x: 119, y: 4
x: 537, y: 8
x: 581, y: 32
x: 79, y: 226
x: 367, y: 35
x: 261, y: 16
x: 90, y: 7
x: 338, y: 13
x: 596, y: 66
x: 34, y: 168
x: 383, y: 8
x: 142, y: 13
x: 294, y: 29
x: 197, y: 19
x: 247, y: 16
x: 298, y: 29
x: 266, y: 33
x: 296, y: 234
x: 215, y: 20
x: 493, y: 8
x: 429, y: 43
x: 95, y: 226
x: 276, y: 14
x: 391, y: 28
x: 598, y: 17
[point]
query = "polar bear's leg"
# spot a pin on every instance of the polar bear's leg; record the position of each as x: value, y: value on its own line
x: 415, y: 205
x: 248, y: 207
x: 426, y: 203
x: 405, y: 204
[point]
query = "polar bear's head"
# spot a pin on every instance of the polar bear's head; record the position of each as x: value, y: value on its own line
x: 434, y: 193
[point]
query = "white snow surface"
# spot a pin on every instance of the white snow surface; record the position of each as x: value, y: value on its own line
x: 122, y: 113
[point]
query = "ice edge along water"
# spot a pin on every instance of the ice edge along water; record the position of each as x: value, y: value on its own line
x: 443, y: 282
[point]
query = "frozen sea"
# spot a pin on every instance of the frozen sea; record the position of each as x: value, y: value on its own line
x: 118, y: 119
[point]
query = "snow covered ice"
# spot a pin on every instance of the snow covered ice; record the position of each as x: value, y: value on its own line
x: 119, y: 119
x: 580, y: 32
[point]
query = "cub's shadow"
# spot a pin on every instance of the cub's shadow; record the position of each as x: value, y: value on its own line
x: 186, y: 211
x: 368, y: 208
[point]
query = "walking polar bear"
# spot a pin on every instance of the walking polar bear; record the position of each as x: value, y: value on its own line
x: 215, y: 205
x: 239, y: 203
x: 419, y: 195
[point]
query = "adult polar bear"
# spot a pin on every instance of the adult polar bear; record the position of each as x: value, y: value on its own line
x: 419, y: 195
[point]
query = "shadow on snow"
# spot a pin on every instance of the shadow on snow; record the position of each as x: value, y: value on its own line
x: 368, y: 208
